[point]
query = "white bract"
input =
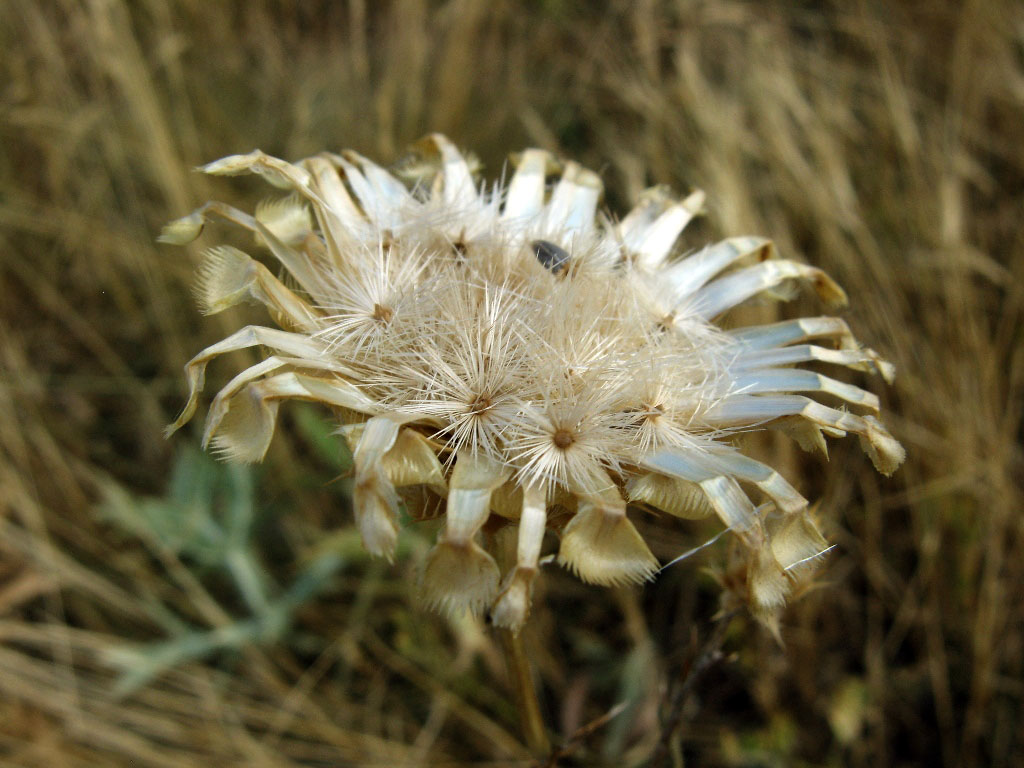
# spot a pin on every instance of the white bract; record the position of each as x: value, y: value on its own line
x: 513, y: 356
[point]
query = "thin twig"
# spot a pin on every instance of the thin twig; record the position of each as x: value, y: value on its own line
x: 583, y: 732
x: 709, y: 655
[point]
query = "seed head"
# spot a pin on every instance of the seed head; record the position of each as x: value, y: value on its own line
x: 510, y: 351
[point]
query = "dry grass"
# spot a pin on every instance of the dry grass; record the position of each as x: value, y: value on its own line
x: 881, y: 141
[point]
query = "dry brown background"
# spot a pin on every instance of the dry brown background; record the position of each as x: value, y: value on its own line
x: 880, y: 140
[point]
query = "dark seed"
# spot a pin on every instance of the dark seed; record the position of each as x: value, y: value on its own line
x: 554, y: 257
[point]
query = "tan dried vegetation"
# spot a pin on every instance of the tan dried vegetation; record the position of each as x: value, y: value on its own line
x: 159, y: 609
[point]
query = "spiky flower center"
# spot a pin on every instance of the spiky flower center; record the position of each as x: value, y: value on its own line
x: 480, y: 405
x: 563, y: 438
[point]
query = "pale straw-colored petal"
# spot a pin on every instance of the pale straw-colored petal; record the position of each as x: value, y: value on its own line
x: 228, y: 276
x: 512, y: 606
x: 341, y: 220
x: 188, y: 228
x: 373, y: 495
x: 574, y: 201
x: 378, y: 210
x: 858, y: 359
x: 243, y: 428
x: 795, y: 541
x: 456, y: 189
x: 288, y: 218
x: 679, y: 280
x: 678, y: 497
x: 277, y: 172
x: 768, y: 583
x: 410, y: 461
x: 769, y: 481
x: 292, y: 344
x: 726, y: 292
x: 525, y: 197
x: 792, y: 331
x: 651, y: 204
x: 747, y: 410
x: 383, y: 185
x: 659, y: 237
x: 716, y: 473
x: 459, y: 574
x: 732, y: 505
x: 774, y: 380
x: 221, y: 403
x: 806, y: 434
x: 601, y: 545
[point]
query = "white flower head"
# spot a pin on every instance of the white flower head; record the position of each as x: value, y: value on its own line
x: 511, y: 350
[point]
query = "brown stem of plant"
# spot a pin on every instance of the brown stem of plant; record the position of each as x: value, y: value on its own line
x: 707, y: 657
x: 520, y: 671
x: 521, y: 676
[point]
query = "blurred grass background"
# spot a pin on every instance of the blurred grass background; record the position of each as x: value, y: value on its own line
x: 160, y: 609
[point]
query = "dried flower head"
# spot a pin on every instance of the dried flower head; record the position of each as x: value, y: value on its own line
x: 516, y: 354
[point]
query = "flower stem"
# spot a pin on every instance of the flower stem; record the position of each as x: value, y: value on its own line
x: 521, y: 676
